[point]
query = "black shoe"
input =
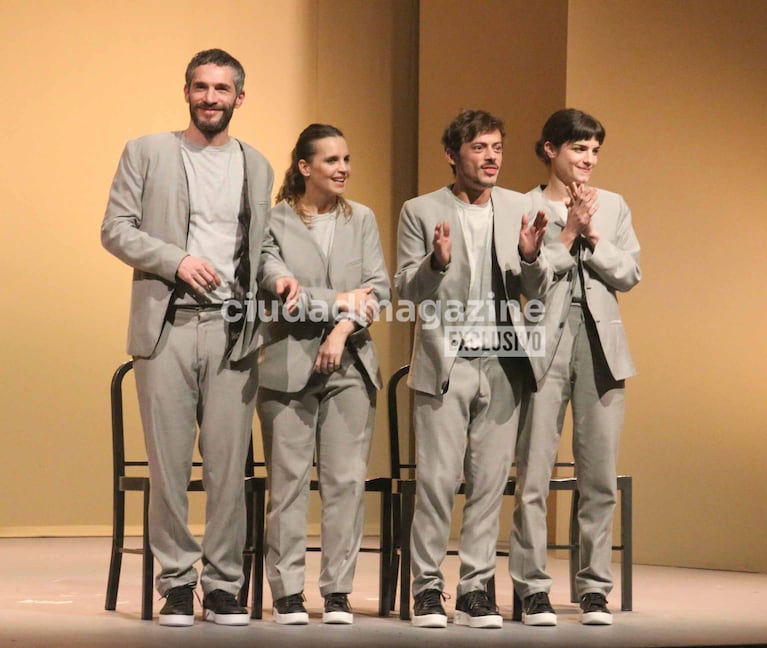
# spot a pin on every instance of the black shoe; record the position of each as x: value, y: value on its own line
x: 428, y: 611
x: 221, y: 607
x: 179, y: 606
x: 537, y: 610
x: 476, y: 610
x: 594, y: 609
x: 337, y: 609
x: 290, y: 610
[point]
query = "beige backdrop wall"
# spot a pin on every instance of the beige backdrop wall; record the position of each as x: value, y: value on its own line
x: 680, y: 85
x: 85, y: 76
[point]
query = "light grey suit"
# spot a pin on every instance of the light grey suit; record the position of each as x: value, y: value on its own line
x: 302, y: 411
x: 183, y: 372
x: 466, y: 410
x: 587, y: 359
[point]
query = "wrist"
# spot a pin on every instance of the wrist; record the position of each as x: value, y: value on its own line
x: 436, y: 265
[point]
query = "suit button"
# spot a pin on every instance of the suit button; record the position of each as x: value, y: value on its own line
x: 561, y: 325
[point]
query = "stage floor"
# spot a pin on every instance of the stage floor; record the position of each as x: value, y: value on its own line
x: 52, y: 594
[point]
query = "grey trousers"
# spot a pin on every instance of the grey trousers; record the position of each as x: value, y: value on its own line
x: 466, y: 434
x: 333, y: 415
x: 578, y: 375
x: 188, y: 381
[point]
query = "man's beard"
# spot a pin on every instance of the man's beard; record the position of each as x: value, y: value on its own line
x: 212, y: 128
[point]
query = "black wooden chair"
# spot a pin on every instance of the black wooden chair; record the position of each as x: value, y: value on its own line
x: 403, y: 473
x: 255, y: 489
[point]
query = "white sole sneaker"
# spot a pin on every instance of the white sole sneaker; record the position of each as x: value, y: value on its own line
x: 429, y: 621
x: 176, y: 620
x: 291, y: 618
x: 227, y: 619
x: 338, y: 617
x: 540, y: 619
x: 486, y: 621
x: 596, y: 618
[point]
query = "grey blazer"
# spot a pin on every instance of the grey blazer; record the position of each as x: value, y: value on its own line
x: 146, y: 226
x: 288, y: 349
x: 417, y: 281
x: 612, y: 267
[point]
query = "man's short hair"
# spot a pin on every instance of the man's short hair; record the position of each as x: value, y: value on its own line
x: 217, y: 57
x: 467, y: 125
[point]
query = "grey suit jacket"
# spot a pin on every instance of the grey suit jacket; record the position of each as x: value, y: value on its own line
x: 146, y: 226
x: 288, y: 349
x: 612, y: 267
x: 418, y: 282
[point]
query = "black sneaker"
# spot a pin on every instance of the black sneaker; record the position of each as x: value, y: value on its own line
x: 222, y: 608
x: 476, y: 610
x: 594, y: 609
x: 337, y: 609
x: 537, y: 610
x: 428, y: 611
x: 179, y: 606
x: 290, y: 610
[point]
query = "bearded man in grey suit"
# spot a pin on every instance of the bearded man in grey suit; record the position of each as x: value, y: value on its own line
x: 187, y: 210
x: 467, y: 253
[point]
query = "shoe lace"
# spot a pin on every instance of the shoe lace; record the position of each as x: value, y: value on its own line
x: 433, y: 597
x: 178, y: 595
x: 594, y: 600
x: 295, y: 599
x: 337, y: 600
x: 539, y: 600
x: 479, y: 599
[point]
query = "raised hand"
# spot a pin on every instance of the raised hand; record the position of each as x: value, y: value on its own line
x: 442, y: 244
x: 531, y: 238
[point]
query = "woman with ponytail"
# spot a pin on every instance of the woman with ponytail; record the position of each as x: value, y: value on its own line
x: 318, y: 372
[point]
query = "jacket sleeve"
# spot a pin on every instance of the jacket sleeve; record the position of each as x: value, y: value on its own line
x: 415, y: 278
x: 374, y: 272
x: 617, y: 263
x: 537, y: 277
x: 121, y: 232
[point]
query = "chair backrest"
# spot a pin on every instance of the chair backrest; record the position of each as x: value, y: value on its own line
x: 398, y: 462
x: 395, y: 455
x: 118, y: 424
x: 116, y: 399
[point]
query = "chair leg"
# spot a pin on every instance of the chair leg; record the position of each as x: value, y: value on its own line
x: 385, y: 555
x: 395, y: 549
x: 118, y: 541
x: 247, y: 554
x: 516, y: 610
x: 626, y: 543
x: 490, y: 588
x: 408, y: 510
x: 147, y: 575
x: 575, y: 548
x: 259, y: 520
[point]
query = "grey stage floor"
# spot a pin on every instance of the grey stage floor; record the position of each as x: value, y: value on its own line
x: 52, y: 594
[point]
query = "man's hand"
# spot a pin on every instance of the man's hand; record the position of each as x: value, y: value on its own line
x: 288, y: 289
x: 360, y: 302
x: 329, y: 356
x: 443, y: 246
x: 198, y: 274
x: 531, y: 238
